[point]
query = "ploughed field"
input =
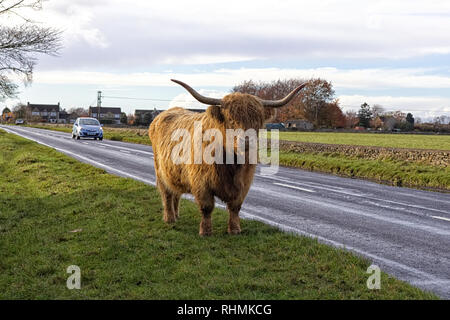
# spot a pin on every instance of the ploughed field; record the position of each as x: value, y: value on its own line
x: 56, y: 212
x: 411, y: 141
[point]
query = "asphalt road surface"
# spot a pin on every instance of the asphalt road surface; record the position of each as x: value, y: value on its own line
x: 405, y: 232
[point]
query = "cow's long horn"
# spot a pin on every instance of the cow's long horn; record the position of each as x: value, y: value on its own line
x: 198, y: 96
x: 284, y: 101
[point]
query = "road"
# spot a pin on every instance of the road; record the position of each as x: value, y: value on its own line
x: 406, y: 232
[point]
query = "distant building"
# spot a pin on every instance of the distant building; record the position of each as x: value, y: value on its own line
x: 43, y: 112
x: 299, y: 125
x: 142, y: 112
x: 107, y: 114
x: 197, y: 110
x: 63, y: 117
x: 145, y: 116
x: 277, y: 126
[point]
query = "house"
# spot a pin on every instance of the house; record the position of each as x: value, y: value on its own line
x: 145, y: 116
x: 63, y: 117
x: 107, y: 114
x: 43, y: 112
x: 299, y: 125
x: 140, y: 113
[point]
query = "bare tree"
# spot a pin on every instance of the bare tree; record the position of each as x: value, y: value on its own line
x: 12, y: 6
x: 79, y: 112
x: 20, y: 111
x: 20, y: 43
x: 377, y: 110
x: 351, y: 118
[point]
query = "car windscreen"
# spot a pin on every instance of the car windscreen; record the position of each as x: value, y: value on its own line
x: 89, y: 122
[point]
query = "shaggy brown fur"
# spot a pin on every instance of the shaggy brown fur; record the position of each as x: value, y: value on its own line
x: 228, y: 182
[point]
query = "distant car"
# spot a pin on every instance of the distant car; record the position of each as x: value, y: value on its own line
x: 20, y: 121
x: 273, y: 126
x: 87, y: 128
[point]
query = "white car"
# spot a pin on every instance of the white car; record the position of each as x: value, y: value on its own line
x: 87, y: 128
x: 20, y: 121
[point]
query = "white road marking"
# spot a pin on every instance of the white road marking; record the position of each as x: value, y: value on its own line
x: 124, y: 151
x: 332, y: 189
x: 293, y: 187
x: 329, y: 188
x: 343, y: 208
x: 125, y: 148
x: 441, y: 218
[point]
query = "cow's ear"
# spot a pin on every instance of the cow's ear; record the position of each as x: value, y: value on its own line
x: 215, y: 112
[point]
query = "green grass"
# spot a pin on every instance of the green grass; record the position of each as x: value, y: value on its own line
x: 394, y: 172
x: 126, y: 251
x: 413, y: 141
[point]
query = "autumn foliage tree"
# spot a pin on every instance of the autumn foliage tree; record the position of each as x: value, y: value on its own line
x: 315, y: 102
x: 331, y: 116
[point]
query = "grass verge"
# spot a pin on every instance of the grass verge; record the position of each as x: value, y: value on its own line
x: 56, y: 212
x: 392, y: 172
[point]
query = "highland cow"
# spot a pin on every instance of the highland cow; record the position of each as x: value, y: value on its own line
x: 228, y: 182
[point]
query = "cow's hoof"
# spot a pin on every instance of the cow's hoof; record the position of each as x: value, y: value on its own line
x: 170, y: 219
x: 234, y: 231
x: 205, y: 231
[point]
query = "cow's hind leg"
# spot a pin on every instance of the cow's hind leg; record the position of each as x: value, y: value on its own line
x: 167, y: 200
x: 206, y: 204
x: 234, y: 224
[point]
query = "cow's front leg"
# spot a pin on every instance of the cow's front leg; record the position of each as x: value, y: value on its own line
x: 167, y: 199
x: 206, y: 204
x: 234, y: 224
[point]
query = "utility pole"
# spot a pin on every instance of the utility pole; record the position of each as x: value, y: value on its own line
x: 99, y: 104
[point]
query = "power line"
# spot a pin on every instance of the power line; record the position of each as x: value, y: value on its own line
x: 147, y: 99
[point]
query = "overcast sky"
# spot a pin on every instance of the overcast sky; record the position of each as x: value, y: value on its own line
x: 393, y: 53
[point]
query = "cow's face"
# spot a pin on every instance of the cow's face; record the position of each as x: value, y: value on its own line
x: 242, y: 111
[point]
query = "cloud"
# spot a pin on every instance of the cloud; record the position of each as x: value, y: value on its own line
x: 128, y: 43
x: 141, y: 34
x: 186, y: 100
x: 372, y: 78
